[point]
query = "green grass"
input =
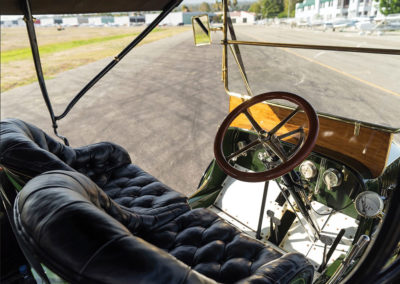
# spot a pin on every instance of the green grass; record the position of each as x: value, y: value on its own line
x: 25, y: 53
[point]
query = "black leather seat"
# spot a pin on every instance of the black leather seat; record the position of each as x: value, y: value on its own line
x: 78, y: 231
x: 140, y: 227
x: 27, y: 151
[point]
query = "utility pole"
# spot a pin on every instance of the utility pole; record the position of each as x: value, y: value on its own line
x: 288, y: 9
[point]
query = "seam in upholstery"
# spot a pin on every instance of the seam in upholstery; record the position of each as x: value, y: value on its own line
x: 186, y: 276
x: 36, y: 248
x: 12, y: 147
x: 66, y: 173
x: 37, y: 190
x: 98, y: 251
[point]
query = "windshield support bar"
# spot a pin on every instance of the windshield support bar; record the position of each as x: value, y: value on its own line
x: 235, y: 46
x: 29, y: 21
x: 241, y: 71
x: 319, y: 47
x: 115, y: 61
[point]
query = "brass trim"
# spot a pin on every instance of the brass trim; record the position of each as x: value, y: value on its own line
x: 225, y: 46
x: 319, y: 47
x: 246, y: 83
x: 216, y: 29
x: 357, y: 126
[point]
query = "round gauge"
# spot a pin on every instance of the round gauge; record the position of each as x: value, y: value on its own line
x: 332, y: 178
x: 369, y: 204
x: 308, y: 170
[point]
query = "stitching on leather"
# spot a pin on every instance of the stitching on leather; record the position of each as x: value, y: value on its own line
x: 98, y: 251
x: 37, y: 190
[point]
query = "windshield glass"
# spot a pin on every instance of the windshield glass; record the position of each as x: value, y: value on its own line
x: 359, y: 86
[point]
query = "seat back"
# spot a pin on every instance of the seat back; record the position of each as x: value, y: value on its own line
x: 27, y: 151
x: 85, y: 237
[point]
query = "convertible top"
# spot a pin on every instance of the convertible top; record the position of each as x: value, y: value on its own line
x: 14, y: 7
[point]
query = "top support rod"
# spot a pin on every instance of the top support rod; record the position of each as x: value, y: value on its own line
x: 117, y: 58
x: 29, y: 20
x: 319, y: 47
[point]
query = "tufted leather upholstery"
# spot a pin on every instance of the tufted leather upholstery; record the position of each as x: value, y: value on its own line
x: 28, y: 151
x: 86, y: 237
x: 133, y: 229
x: 208, y: 244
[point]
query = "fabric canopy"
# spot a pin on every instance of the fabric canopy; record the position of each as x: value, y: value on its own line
x: 14, y: 7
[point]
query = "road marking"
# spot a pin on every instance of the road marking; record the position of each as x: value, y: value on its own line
x: 341, y: 72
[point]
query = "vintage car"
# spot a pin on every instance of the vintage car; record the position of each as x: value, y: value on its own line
x: 292, y: 196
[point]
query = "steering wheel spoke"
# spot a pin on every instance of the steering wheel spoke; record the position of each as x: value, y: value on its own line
x: 243, y: 150
x: 286, y: 158
x: 253, y: 122
x: 284, y: 121
x: 291, y: 133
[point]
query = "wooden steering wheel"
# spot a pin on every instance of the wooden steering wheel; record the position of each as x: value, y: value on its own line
x: 269, y: 139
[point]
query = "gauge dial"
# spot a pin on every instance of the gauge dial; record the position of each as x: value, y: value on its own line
x: 332, y: 178
x: 308, y: 170
x: 369, y: 204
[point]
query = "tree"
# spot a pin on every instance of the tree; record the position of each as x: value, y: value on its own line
x: 255, y: 8
x: 234, y: 3
x: 185, y: 8
x: 218, y: 6
x: 389, y: 7
x: 271, y: 7
x: 290, y: 6
x: 205, y: 7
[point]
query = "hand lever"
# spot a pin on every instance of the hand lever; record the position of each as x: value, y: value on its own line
x: 332, y: 249
x: 274, y: 225
x: 327, y: 241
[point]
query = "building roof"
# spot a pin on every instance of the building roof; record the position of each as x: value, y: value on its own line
x: 240, y: 13
x: 306, y: 3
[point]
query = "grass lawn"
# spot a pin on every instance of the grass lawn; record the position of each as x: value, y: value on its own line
x: 64, y: 50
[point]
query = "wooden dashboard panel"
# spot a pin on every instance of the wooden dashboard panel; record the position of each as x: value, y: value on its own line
x: 364, y: 147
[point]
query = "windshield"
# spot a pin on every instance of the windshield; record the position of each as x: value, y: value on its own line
x: 359, y: 86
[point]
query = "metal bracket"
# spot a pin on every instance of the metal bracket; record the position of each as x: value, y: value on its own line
x: 357, y: 126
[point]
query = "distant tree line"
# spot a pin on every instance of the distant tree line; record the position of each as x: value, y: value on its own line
x: 275, y: 8
x: 388, y: 7
x: 215, y: 7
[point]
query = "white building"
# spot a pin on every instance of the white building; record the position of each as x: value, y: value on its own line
x: 48, y: 21
x: 243, y: 17
x: 10, y: 21
x: 176, y: 18
x: 122, y: 21
x: 173, y: 19
x: 326, y: 10
x: 95, y: 21
x: 70, y: 21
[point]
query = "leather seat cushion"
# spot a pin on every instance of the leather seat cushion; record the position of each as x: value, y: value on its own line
x: 80, y: 231
x: 76, y: 230
x: 211, y: 246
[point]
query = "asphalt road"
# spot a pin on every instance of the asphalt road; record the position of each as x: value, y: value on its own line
x: 360, y: 86
x: 165, y: 100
